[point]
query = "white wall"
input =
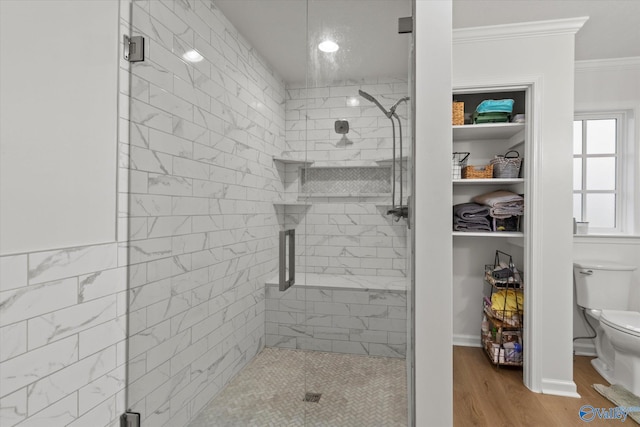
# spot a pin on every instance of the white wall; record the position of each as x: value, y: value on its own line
x: 62, y: 285
x: 545, y: 58
x: 58, y: 118
x: 432, y: 218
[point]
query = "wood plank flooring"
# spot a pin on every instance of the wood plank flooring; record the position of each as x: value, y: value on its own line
x: 486, y: 396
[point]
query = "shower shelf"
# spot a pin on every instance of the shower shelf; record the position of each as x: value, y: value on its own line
x: 290, y: 161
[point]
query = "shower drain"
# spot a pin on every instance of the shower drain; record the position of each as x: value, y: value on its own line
x: 312, y: 397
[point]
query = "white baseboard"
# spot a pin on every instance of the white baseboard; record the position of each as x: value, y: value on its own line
x: 559, y: 388
x: 584, y: 349
x: 467, y: 340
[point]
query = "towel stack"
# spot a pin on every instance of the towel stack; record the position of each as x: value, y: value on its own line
x: 505, y: 207
x: 471, y: 217
x: 495, y: 211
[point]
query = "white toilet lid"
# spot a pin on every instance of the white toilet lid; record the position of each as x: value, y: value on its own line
x: 624, y: 321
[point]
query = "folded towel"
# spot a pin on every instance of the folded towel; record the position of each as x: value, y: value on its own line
x: 476, y: 224
x: 470, y: 210
x: 502, y: 203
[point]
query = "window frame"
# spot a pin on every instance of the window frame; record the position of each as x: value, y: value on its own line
x: 620, y: 169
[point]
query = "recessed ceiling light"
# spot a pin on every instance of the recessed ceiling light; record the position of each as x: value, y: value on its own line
x: 192, y: 56
x: 328, y: 46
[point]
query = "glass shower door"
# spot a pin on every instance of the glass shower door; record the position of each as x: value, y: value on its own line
x: 354, y: 108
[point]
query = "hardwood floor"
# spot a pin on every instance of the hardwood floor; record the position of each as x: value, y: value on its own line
x: 486, y: 396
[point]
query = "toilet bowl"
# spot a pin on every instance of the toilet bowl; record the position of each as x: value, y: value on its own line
x: 623, y: 331
x: 603, y: 290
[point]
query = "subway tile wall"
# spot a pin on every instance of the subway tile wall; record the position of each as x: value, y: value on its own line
x: 371, y: 322
x: 346, y: 235
x: 203, y: 228
x: 62, y: 335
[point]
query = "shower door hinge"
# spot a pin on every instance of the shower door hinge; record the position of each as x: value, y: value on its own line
x: 130, y: 419
x: 405, y: 25
x: 134, y: 48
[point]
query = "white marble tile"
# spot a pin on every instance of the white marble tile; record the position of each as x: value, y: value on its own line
x: 13, y: 408
x: 62, y: 323
x: 145, y: 114
x: 143, y: 159
x: 170, y: 103
x: 169, y: 185
x: 31, y: 301
x: 149, y: 338
x: 60, y: 413
x: 167, y: 349
x: 65, y: 381
x: 151, y: 293
x: 102, y: 336
x: 140, y: 387
x: 13, y: 272
x: 57, y: 264
x: 167, y: 308
x: 101, y: 414
x: 29, y: 367
x: 14, y: 340
x: 148, y: 250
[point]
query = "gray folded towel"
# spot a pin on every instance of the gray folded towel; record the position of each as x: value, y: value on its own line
x: 470, y: 210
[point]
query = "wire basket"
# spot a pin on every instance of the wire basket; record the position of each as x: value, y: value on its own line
x: 457, y: 113
x: 507, y: 166
x: 477, y: 172
x: 459, y: 162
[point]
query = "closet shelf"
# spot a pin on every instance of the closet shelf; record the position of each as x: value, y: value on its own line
x: 489, y: 131
x: 503, y: 234
x: 490, y: 181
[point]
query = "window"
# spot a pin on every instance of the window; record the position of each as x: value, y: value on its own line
x: 597, y: 176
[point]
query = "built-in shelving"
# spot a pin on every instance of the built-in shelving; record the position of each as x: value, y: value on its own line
x: 514, y: 132
x: 502, y: 234
x: 490, y: 181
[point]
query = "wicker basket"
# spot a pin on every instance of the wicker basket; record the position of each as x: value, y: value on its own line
x: 458, y: 113
x: 507, y: 166
x: 477, y: 172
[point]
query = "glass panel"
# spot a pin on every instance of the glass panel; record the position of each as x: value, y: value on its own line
x: 577, y: 137
x: 365, y: 84
x: 601, y: 210
x: 577, y: 207
x: 601, y: 173
x: 601, y: 136
x: 577, y: 173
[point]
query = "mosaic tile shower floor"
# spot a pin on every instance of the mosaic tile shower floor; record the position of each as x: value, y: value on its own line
x: 357, y: 391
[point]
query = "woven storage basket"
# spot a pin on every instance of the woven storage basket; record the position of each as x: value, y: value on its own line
x: 457, y: 113
x: 477, y: 172
x: 505, y: 166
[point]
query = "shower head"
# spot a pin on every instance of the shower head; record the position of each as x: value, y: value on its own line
x: 392, y: 110
x: 370, y: 98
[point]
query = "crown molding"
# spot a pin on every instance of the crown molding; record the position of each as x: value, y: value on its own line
x: 609, y: 64
x: 519, y: 30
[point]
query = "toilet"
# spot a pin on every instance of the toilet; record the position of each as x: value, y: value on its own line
x: 603, y: 289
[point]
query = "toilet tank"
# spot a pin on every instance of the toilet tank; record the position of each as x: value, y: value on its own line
x: 602, y: 285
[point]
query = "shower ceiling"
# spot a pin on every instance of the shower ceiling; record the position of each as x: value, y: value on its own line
x: 277, y: 28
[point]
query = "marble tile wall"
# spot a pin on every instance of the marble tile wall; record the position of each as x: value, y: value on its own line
x: 202, y: 226
x: 365, y: 321
x: 345, y: 235
x: 62, y: 335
